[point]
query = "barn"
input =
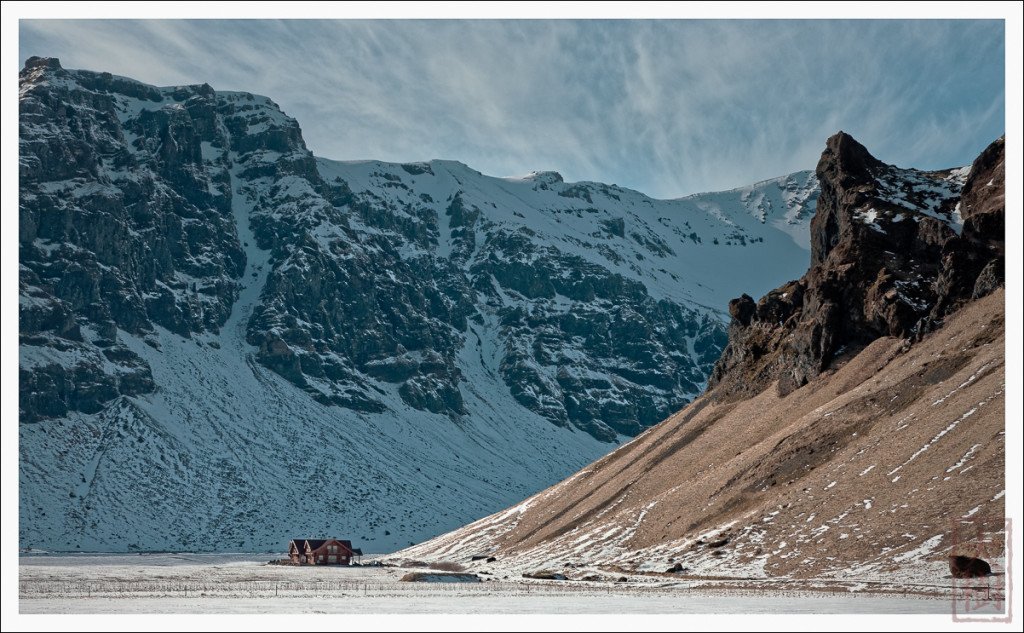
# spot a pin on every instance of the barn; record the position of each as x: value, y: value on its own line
x: 330, y: 551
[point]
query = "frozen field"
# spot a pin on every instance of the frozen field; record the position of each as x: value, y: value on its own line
x: 231, y: 583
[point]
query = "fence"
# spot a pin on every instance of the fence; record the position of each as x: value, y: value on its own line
x: 44, y: 588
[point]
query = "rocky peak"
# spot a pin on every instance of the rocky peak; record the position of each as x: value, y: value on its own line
x: 52, y: 63
x: 846, y: 169
x: 847, y: 161
x: 545, y: 177
x: 982, y: 201
x: 892, y: 251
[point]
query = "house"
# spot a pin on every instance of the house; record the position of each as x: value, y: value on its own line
x: 331, y: 551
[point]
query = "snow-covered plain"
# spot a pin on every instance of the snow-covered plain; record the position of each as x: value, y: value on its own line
x: 238, y: 583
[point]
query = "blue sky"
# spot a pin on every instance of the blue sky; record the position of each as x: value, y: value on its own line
x: 666, y: 107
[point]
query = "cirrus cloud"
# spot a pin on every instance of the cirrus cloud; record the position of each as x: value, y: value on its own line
x: 664, y: 106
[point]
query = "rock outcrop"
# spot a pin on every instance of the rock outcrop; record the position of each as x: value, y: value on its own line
x: 968, y: 567
x: 972, y: 262
x: 892, y: 251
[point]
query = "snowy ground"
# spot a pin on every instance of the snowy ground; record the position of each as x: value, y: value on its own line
x: 236, y: 583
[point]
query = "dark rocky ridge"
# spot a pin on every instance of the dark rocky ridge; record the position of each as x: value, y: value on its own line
x: 886, y: 260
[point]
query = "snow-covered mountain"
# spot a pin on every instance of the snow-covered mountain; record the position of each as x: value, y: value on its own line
x: 226, y: 341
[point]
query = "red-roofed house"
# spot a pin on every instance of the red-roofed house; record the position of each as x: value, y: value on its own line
x: 331, y: 551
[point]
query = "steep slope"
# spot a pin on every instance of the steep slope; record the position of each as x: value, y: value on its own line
x: 888, y: 456
x: 225, y: 340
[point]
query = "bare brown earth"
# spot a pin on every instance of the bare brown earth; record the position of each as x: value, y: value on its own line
x: 880, y: 467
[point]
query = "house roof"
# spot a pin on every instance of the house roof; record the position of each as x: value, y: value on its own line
x: 314, y: 543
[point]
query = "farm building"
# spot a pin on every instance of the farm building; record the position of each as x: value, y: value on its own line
x: 329, y: 551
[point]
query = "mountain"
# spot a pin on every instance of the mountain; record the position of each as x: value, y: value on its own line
x: 854, y: 429
x: 226, y: 340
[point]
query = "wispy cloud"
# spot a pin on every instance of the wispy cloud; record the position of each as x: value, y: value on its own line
x: 666, y: 107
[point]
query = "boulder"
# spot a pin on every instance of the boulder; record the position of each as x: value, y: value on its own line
x: 968, y: 567
x: 438, y: 577
x: 544, y: 575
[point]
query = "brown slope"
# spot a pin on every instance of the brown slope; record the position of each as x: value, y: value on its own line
x: 874, y: 462
x: 915, y: 434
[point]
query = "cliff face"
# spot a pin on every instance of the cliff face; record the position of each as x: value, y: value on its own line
x: 973, y: 261
x: 121, y: 227
x: 892, y: 251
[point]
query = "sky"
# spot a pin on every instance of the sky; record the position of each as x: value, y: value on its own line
x: 667, y: 107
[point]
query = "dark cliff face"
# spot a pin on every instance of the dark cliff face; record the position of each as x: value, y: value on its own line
x: 892, y: 251
x: 120, y: 227
x: 972, y: 262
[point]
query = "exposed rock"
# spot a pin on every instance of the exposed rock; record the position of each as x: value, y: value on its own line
x: 436, y: 576
x: 886, y: 260
x: 968, y: 567
x: 544, y: 575
x: 972, y: 262
x: 989, y: 279
x: 52, y: 63
x: 113, y: 233
x: 742, y: 309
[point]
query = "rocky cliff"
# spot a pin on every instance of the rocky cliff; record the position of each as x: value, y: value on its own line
x: 212, y: 318
x: 892, y: 251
